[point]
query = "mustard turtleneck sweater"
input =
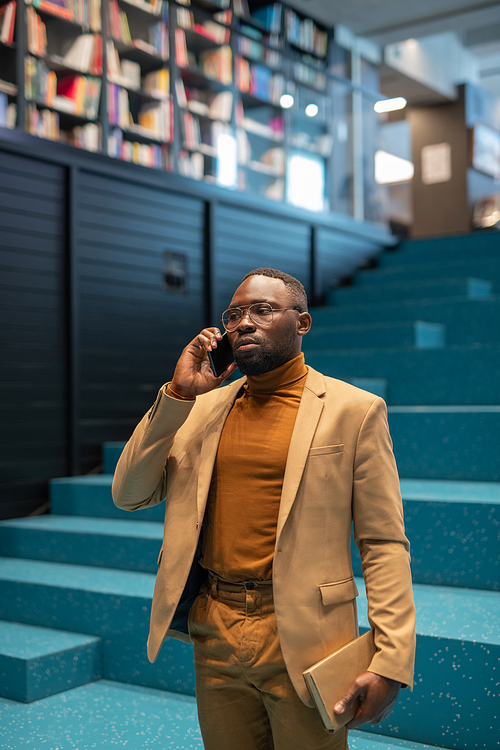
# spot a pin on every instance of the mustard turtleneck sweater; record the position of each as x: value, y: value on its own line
x: 239, y: 532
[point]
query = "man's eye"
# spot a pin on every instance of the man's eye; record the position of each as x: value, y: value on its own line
x: 263, y: 311
x: 233, y: 315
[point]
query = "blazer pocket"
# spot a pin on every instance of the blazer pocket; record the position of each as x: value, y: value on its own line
x: 324, y: 449
x: 340, y: 591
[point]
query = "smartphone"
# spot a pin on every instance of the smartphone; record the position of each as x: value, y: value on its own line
x: 221, y: 357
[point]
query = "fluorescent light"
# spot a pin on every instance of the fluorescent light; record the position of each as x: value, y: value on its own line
x: 390, y: 105
x: 306, y: 182
x: 390, y: 168
x: 286, y: 101
x: 226, y: 161
x: 312, y: 110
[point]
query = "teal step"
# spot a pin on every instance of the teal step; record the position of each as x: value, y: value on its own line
x: 429, y: 250
x: 112, y: 605
x: 100, y: 542
x: 447, y: 442
x: 110, y: 454
x: 90, y: 496
x: 128, y: 716
x: 420, y: 289
x: 454, y: 702
x: 453, y: 532
x: 37, y: 662
x: 103, y: 715
x: 466, y: 320
x: 454, y: 626
x: 416, y: 334
x: 467, y: 375
x: 412, y: 268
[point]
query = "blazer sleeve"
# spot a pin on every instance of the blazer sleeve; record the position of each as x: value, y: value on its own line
x: 385, y: 557
x: 140, y: 478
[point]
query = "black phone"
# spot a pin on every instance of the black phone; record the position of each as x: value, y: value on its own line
x: 221, y: 357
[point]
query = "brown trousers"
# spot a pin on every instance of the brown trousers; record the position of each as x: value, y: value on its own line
x: 245, y: 698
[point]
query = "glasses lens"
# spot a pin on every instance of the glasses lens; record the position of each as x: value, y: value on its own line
x: 261, y: 313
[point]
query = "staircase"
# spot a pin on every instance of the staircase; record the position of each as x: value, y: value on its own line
x: 76, y: 585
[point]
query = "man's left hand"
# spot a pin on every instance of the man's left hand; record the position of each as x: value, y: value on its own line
x: 377, y: 696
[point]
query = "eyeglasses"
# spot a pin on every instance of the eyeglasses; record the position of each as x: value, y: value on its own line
x: 261, y: 313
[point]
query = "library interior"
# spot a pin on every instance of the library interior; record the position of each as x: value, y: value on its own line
x: 152, y: 153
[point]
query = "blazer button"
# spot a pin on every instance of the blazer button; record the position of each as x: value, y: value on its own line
x: 250, y: 585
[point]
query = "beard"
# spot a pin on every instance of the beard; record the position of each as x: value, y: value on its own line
x: 268, y: 358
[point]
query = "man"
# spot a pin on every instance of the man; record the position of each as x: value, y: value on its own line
x: 275, y: 466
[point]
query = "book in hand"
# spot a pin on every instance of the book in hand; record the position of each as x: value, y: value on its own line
x: 329, y: 679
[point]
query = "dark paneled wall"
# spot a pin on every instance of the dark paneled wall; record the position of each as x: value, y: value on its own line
x: 132, y: 328
x: 32, y: 331
x: 89, y: 328
x: 245, y: 240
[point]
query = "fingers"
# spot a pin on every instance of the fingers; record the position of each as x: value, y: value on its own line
x: 208, y: 339
x: 352, y: 694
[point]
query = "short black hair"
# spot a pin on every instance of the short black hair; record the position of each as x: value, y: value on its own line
x: 294, y: 286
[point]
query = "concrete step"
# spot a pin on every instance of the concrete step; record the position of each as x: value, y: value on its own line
x: 416, y: 334
x: 112, y: 605
x: 411, y: 267
x: 111, y: 451
x: 129, y: 716
x: 446, y: 442
x: 477, y: 245
x: 100, y: 542
x: 453, y: 533
x: 455, y: 694
x: 37, y: 662
x: 455, y: 627
x: 90, y: 496
x: 467, y: 375
x: 418, y: 289
x: 467, y: 321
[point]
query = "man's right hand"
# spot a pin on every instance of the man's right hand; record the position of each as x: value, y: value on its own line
x: 193, y: 374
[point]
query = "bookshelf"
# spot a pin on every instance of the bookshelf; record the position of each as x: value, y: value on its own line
x: 231, y: 92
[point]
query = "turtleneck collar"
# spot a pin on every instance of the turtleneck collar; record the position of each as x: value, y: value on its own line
x: 283, y: 377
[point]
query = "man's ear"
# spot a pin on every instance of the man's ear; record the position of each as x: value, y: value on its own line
x: 304, y: 322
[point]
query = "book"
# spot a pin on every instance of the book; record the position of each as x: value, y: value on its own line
x: 7, y: 22
x: 55, y: 9
x: 329, y: 679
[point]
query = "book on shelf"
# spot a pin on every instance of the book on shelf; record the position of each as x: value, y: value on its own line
x: 180, y: 93
x: 276, y: 159
x: 158, y: 38
x: 7, y: 87
x: 181, y: 54
x: 269, y: 16
x: 217, y: 64
x: 85, y: 54
x: 117, y: 23
x: 62, y: 10
x: 152, y: 6
x: 118, y: 106
x: 221, y: 106
x: 42, y: 122
x: 88, y: 136
x: 8, y: 112
x: 213, y: 31
x: 37, y: 33
x: 153, y: 155
x: 131, y: 73
x: 7, y: 22
x: 305, y: 34
x: 241, y: 8
x: 156, y: 118
x: 157, y: 83
x: 191, y: 131
x: 125, y: 73
x: 78, y: 95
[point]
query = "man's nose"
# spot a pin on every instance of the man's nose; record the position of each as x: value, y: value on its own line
x: 245, y: 322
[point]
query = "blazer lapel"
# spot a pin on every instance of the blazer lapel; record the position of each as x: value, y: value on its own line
x: 308, y: 415
x: 211, y: 439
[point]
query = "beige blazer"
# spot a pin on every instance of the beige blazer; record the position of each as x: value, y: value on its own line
x: 340, y: 469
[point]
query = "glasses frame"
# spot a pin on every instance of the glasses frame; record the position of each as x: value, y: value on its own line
x: 246, y: 308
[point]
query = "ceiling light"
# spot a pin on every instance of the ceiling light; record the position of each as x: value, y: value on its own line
x: 390, y: 105
x: 390, y: 169
x: 312, y: 110
x: 286, y: 101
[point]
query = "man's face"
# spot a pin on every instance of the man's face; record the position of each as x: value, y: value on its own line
x: 260, y: 349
